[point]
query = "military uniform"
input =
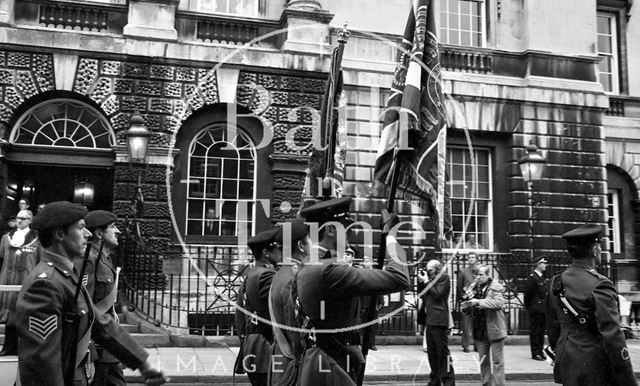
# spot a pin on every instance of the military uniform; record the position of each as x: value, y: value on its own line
x: 590, y: 347
x: 326, y: 293
x: 44, y: 336
x: 101, y: 282
x: 287, y: 347
x: 535, y: 301
x: 257, y: 337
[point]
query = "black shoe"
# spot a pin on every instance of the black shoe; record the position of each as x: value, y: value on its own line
x: 5, y: 353
x: 538, y: 357
x: 373, y: 348
x: 465, y: 349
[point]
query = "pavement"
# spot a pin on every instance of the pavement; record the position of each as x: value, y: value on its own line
x: 397, y: 365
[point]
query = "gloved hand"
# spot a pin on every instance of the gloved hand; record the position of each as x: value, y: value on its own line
x: 389, y: 220
x: 151, y: 375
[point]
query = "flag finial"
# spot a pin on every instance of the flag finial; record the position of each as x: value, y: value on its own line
x: 343, y: 34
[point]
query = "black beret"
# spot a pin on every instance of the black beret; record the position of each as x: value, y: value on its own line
x: 336, y: 209
x: 262, y: 240
x: 585, y: 234
x: 57, y: 215
x: 99, y: 218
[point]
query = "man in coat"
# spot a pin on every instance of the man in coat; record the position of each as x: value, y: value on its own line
x: 287, y: 347
x: 436, y: 301
x: 535, y: 301
x: 326, y: 295
x: 583, y: 321
x: 489, y: 326
x: 466, y: 278
x: 51, y: 319
x: 102, y: 285
x: 256, y: 335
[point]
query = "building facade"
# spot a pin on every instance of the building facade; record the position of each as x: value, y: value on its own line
x: 231, y: 91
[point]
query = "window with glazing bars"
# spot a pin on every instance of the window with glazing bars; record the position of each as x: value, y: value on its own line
x: 470, y: 194
x: 462, y: 22
x: 221, y: 184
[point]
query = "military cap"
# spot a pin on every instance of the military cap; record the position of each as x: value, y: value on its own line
x: 99, y: 218
x: 58, y: 214
x: 263, y: 240
x: 584, y: 234
x: 539, y: 260
x: 336, y: 209
x: 298, y: 230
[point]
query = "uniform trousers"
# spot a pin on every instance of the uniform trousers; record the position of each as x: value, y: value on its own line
x: 439, y: 356
x: 491, y: 356
x: 108, y: 374
x: 467, y: 330
x: 536, y: 333
x: 257, y: 379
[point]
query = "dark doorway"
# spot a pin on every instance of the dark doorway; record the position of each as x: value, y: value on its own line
x: 42, y: 184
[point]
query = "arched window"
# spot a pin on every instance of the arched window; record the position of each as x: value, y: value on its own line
x: 221, y: 182
x: 63, y: 123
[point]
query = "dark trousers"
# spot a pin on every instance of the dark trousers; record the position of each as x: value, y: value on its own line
x: 10, y: 339
x: 467, y: 330
x: 108, y: 374
x: 439, y: 356
x: 536, y: 333
x: 257, y: 379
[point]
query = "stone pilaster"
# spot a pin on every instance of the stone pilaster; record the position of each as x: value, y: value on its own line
x: 153, y: 19
x: 7, y: 12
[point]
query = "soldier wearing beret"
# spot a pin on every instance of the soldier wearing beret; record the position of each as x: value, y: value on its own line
x: 287, y: 347
x: 583, y: 321
x: 257, y: 336
x: 50, y: 318
x: 326, y: 294
x: 102, y: 286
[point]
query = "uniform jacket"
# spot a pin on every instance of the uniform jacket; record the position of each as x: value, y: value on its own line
x: 287, y: 347
x: 436, y: 301
x: 337, y: 286
x: 101, y: 280
x: 597, y: 354
x: 255, y: 352
x: 493, y: 303
x: 44, y: 337
x: 535, y: 294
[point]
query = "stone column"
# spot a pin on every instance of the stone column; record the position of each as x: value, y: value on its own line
x: 152, y: 19
x: 307, y: 5
x: 7, y: 12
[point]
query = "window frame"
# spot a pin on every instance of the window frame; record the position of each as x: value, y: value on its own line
x: 209, y: 10
x: 615, y: 54
x: 614, y: 223
x: 490, y: 200
x: 483, y: 23
x: 220, y: 177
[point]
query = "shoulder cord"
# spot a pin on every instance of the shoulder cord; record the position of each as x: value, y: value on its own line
x: 303, y: 319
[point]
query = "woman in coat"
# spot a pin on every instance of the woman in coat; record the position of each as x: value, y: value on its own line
x: 18, y: 250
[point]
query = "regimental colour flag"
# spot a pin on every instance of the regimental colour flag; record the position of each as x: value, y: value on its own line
x: 415, y: 122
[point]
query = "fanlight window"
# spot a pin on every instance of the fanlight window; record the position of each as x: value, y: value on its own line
x: 220, y: 188
x: 63, y: 123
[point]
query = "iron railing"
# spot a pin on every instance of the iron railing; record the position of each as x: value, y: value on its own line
x: 193, y: 292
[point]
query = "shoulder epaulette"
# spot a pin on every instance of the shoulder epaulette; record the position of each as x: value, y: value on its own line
x: 596, y: 273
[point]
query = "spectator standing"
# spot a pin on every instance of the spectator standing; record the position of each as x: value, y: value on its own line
x: 466, y: 280
x: 19, y: 251
x: 436, y: 301
x: 489, y: 326
x: 535, y: 301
